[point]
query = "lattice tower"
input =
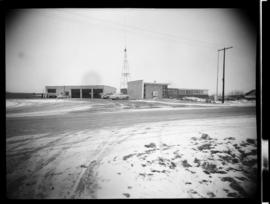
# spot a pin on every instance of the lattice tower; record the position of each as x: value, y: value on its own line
x: 125, y: 76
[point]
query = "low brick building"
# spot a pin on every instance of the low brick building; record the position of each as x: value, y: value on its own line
x: 87, y: 91
x: 145, y: 90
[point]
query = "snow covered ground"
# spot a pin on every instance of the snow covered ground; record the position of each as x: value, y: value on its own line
x: 46, y: 107
x: 203, y: 158
x: 201, y: 103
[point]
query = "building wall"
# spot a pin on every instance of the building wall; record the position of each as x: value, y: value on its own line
x: 150, y: 88
x: 193, y: 92
x: 173, y: 93
x: 135, y: 89
x: 59, y: 90
x: 180, y: 93
x: 109, y: 89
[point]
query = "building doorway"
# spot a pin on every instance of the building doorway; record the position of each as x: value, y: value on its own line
x: 87, y: 93
x: 75, y: 93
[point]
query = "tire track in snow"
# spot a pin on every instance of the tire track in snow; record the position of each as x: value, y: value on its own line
x: 87, y: 183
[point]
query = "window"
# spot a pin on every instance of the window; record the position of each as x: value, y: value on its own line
x: 165, y: 91
x: 144, y: 89
x: 51, y: 90
x: 155, y: 93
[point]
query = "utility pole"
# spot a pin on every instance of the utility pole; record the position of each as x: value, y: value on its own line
x: 223, y: 78
x: 217, y: 76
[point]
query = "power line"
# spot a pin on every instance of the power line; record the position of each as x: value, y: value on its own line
x: 156, y: 32
x: 125, y: 19
x: 124, y: 27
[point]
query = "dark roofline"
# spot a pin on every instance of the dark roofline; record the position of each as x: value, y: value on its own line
x: 188, y: 89
x: 156, y: 83
x: 254, y: 90
x: 150, y: 82
x: 75, y: 85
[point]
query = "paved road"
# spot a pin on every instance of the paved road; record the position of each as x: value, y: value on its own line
x: 88, y: 120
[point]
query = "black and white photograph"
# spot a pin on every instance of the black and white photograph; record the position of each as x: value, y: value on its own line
x: 131, y: 103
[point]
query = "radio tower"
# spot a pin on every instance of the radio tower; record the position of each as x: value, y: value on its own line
x: 125, y: 76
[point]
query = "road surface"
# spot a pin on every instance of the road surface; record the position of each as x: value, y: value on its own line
x: 96, y: 120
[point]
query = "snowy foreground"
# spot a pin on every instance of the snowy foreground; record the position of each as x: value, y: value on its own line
x: 210, y: 158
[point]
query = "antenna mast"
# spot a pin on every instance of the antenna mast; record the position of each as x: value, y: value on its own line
x: 125, y: 76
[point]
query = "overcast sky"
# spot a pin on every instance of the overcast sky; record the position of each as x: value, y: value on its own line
x: 85, y: 47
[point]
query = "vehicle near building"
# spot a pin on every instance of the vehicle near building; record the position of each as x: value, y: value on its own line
x: 119, y: 97
x: 62, y: 95
x: 106, y: 96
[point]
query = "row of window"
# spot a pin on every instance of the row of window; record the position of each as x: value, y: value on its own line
x: 77, y: 93
x: 164, y: 91
x: 191, y: 92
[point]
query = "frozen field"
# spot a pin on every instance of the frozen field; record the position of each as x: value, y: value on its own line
x: 196, y: 158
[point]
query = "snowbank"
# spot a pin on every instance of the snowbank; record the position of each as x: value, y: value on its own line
x: 15, y: 103
x: 49, y: 112
x: 195, y: 99
x: 43, y: 107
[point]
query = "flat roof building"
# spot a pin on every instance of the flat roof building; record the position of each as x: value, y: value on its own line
x: 144, y: 90
x: 80, y: 91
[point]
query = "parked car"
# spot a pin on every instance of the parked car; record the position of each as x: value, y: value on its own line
x: 119, y: 97
x: 106, y: 96
x: 62, y: 95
